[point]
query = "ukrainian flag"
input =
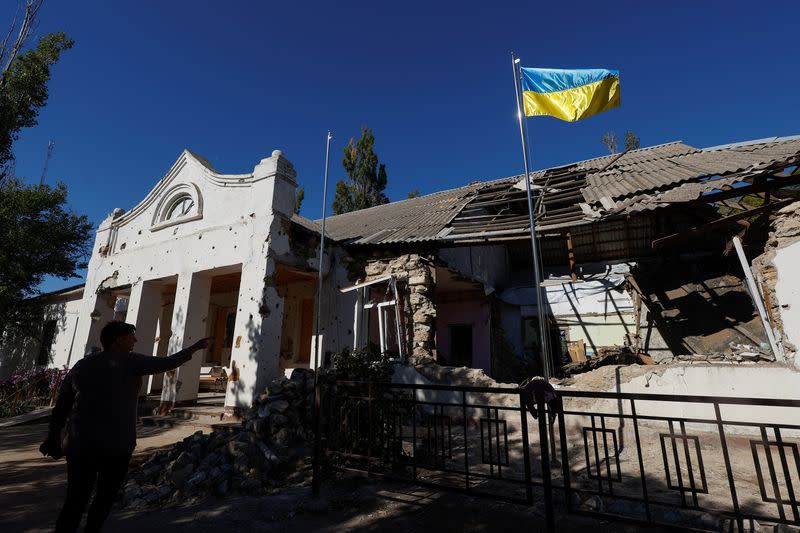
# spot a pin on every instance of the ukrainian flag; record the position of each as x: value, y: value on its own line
x: 569, y: 94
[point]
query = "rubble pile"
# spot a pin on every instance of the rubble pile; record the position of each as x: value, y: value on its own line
x: 617, y: 355
x: 242, y: 459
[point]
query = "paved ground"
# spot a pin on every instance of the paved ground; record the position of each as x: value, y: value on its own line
x: 32, y: 487
x: 32, y: 490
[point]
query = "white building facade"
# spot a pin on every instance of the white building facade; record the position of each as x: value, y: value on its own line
x: 203, y: 255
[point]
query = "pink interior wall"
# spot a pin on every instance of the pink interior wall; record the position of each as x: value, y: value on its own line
x: 475, y: 313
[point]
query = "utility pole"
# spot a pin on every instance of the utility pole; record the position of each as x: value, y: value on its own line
x: 51, y: 144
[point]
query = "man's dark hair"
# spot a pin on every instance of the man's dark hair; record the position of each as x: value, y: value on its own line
x: 113, y: 331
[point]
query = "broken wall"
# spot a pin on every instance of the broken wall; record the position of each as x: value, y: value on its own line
x: 416, y: 276
x: 776, y: 274
x: 596, y: 309
x: 475, y: 315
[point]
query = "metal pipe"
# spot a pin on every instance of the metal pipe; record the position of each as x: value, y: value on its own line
x: 315, y: 480
x: 543, y: 338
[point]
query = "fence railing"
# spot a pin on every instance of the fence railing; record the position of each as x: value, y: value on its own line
x: 642, y: 457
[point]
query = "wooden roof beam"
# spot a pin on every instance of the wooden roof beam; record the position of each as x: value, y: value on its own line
x: 697, y: 231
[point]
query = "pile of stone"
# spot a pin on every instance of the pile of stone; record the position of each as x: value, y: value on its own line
x: 245, y: 459
x: 616, y: 355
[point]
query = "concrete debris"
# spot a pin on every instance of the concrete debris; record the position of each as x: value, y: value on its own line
x: 619, y: 355
x: 243, y: 460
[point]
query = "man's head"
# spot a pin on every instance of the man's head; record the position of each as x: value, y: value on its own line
x: 118, y: 336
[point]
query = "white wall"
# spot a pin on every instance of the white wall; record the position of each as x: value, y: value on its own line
x: 488, y: 264
x: 740, y: 381
x: 64, y: 350
x: 595, y: 309
x: 787, y: 289
x: 21, y: 354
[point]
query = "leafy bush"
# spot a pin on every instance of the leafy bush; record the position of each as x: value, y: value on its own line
x: 27, y: 390
x: 366, y: 364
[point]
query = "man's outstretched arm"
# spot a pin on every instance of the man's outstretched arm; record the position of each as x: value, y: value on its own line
x: 145, y: 364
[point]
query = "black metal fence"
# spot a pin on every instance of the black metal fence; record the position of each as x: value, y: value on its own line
x: 644, y: 457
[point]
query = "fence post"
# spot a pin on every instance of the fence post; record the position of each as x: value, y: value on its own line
x: 526, y: 452
x: 317, y: 423
x: 545, y: 454
x: 565, y: 469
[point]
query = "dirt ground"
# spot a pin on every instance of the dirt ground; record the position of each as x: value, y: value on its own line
x: 32, y: 490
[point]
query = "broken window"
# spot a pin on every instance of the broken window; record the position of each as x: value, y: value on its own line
x: 377, y: 315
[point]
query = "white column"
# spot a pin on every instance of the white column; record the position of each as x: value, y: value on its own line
x: 144, y: 307
x: 256, y: 336
x: 189, y: 319
x: 97, y: 311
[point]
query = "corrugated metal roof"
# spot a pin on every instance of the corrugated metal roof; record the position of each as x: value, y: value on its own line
x: 577, y: 193
x: 413, y: 220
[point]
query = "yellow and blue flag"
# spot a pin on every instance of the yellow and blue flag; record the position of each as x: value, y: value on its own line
x: 569, y: 94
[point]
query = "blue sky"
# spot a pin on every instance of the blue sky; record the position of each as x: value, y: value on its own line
x: 234, y: 80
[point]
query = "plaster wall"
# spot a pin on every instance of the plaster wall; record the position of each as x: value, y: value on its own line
x: 238, y: 223
x: 338, y: 309
x: 294, y: 294
x: 595, y: 309
x: 63, y: 349
x: 751, y: 381
x: 488, y: 264
x: 787, y: 290
x: 474, y: 313
x: 20, y: 355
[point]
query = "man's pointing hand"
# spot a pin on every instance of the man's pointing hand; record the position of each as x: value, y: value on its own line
x: 202, y: 344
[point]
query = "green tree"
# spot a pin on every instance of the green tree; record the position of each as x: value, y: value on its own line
x: 610, y: 142
x: 366, y: 177
x: 632, y: 141
x: 23, y: 82
x: 39, y: 235
x: 300, y: 195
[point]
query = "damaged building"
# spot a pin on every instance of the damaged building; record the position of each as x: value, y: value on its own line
x: 637, y: 251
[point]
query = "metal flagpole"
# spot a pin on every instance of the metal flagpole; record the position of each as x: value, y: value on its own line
x: 315, y: 482
x: 540, y: 309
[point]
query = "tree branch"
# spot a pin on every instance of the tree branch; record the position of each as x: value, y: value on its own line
x: 31, y: 10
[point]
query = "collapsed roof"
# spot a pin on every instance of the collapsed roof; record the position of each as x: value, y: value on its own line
x: 575, y: 194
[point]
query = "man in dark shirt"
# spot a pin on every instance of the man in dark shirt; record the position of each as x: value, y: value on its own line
x: 97, y: 409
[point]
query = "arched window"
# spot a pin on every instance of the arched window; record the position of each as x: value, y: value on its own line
x: 181, y: 203
x: 181, y: 206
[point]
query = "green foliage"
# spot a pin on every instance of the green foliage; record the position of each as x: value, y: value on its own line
x: 366, y: 364
x: 414, y: 194
x: 24, y: 391
x: 632, y: 141
x: 610, y: 142
x: 39, y: 237
x: 23, y: 91
x: 366, y: 177
x: 298, y: 199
